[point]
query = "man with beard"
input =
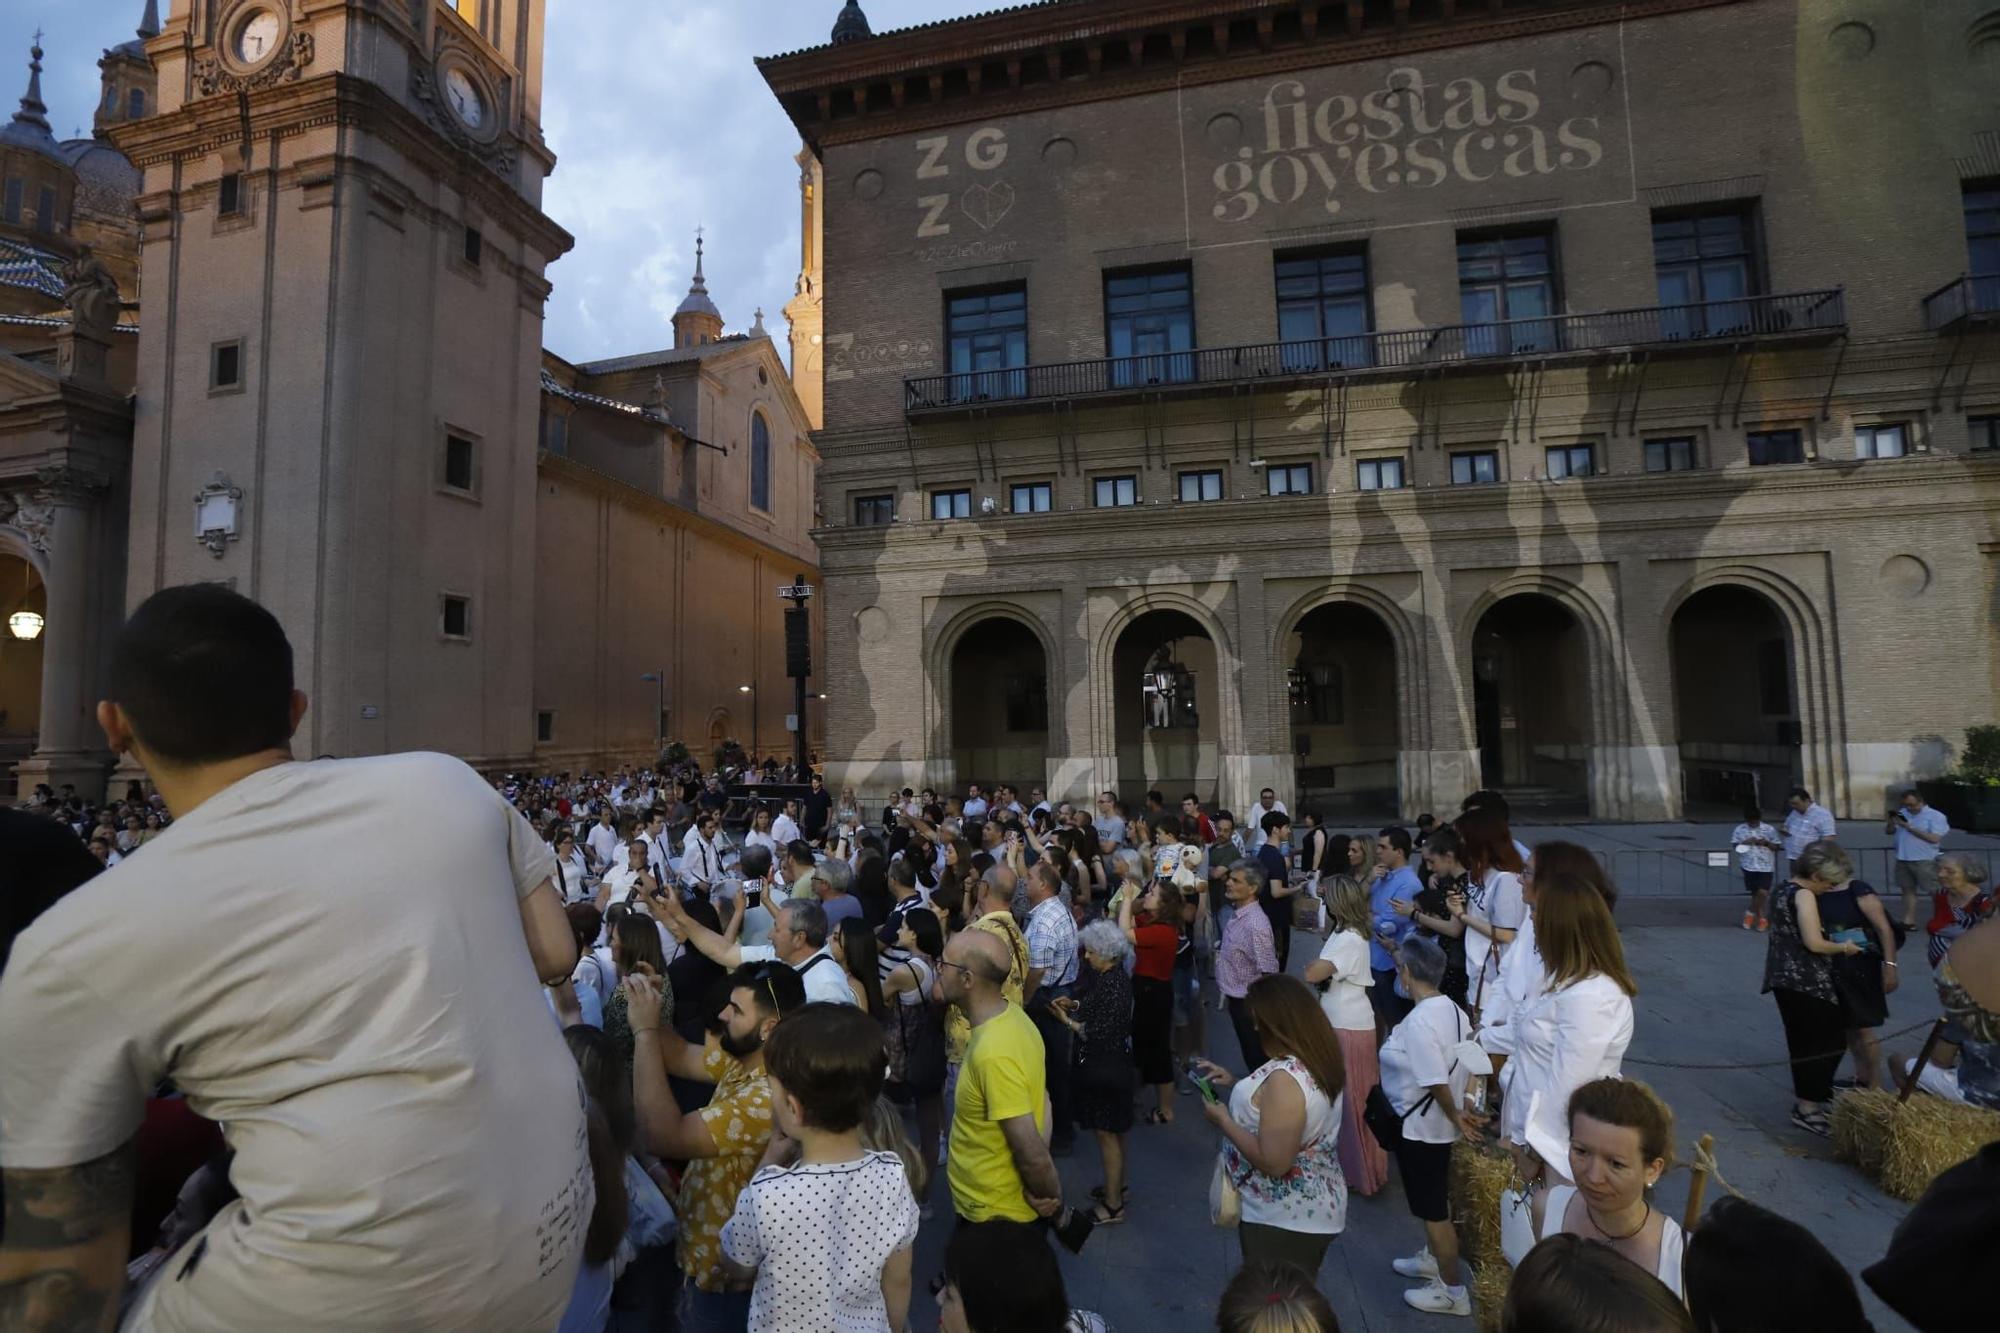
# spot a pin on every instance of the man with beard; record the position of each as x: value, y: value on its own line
x: 721, y: 1142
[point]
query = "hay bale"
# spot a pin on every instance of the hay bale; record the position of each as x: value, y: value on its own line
x: 1860, y: 1125
x: 1479, y: 1176
x: 1904, y: 1146
x: 1488, y: 1290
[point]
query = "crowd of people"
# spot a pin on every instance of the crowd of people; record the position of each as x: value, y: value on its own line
x: 726, y: 1046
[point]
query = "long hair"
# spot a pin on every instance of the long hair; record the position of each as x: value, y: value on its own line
x: 1287, y: 1015
x: 613, y: 1210
x: 1347, y: 906
x: 1273, y: 1297
x: 636, y: 939
x: 882, y: 1131
x: 1366, y: 870
x: 1575, y: 933
x: 1489, y: 845
x: 860, y: 957
x: 1556, y: 859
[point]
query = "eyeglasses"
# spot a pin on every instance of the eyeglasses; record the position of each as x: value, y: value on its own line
x: 764, y: 973
x: 946, y: 962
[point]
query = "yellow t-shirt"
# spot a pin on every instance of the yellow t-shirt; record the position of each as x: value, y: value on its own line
x: 957, y: 1030
x: 738, y: 1117
x: 1001, y: 1079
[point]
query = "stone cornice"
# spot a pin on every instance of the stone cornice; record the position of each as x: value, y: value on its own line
x: 291, y: 109
x: 636, y: 497
x: 936, y: 74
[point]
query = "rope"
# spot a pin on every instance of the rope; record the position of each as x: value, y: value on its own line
x: 1704, y: 1160
x: 1769, y: 1064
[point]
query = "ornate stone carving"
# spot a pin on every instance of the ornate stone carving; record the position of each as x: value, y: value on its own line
x: 34, y: 517
x: 212, y: 76
x: 64, y: 484
x: 92, y: 295
x: 499, y: 153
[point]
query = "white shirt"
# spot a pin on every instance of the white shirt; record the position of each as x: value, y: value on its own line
x: 1564, y: 1039
x: 1807, y: 826
x: 1753, y: 859
x: 701, y: 861
x: 769, y: 840
x: 785, y: 830
x: 1496, y: 899
x: 1522, y: 979
x: 819, y: 1237
x: 824, y: 978
x: 656, y: 854
x: 602, y: 841
x: 366, y: 1092
x: 1253, y: 836
x: 1672, y: 1242
x: 1909, y: 847
x: 570, y: 877
x: 1345, y: 1002
x: 1419, y: 1055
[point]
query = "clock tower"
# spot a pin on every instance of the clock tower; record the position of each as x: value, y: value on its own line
x: 343, y: 261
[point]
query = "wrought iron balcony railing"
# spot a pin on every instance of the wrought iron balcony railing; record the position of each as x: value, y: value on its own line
x: 1974, y: 296
x: 1399, y: 352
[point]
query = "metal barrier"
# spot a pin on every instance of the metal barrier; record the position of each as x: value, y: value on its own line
x: 1713, y: 872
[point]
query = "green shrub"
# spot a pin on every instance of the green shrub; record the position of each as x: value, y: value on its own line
x: 1980, y: 762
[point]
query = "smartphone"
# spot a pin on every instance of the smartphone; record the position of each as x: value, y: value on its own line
x: 1204, y: 1087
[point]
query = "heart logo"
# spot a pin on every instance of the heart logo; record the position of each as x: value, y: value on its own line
x: 987, y: 204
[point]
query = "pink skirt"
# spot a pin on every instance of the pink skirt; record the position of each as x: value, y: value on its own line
x: 1362, y: 1160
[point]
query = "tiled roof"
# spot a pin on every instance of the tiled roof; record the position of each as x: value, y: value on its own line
x: 22, y: 265
x: 920, y: 27
x: 554, y: 386
x: 52, y: 322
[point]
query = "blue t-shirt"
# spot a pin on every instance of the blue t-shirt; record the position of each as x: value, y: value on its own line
x: 1402, y: 884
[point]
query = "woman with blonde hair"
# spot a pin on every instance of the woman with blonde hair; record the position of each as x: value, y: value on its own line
x: 1273, y: 1298
x: 1342, y: 970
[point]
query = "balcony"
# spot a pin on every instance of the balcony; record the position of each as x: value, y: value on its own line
x: 1802, y: 316
x: 1973, y: 298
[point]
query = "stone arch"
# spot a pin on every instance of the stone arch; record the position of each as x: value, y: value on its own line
x: 13, y: 541
x: 1410, y: 702
x: 1412, y: 698
x: 938, y: 682
x: 1815, y: 677
x: 1104, y: 696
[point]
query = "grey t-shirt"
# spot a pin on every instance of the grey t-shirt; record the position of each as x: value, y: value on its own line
x: 407, y: 1122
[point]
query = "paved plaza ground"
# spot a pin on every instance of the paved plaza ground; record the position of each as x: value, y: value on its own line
x: 1698, y: 1005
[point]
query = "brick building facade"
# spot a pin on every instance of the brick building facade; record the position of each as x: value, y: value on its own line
x: 1374, y: 401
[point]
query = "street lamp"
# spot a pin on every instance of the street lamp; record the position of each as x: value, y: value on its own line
x: 659, y: 681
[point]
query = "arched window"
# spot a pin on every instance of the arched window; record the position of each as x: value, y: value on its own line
x: 760, y: 462
x: 135, y: 104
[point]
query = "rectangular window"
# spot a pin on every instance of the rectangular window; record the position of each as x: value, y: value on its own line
x: 1031, y: 497
x: 1379, y: 474
x: 229, y: 195
x: 1288, y: 479
x: 951, y: 504
x: 1983, y: 432
x: 986, y: 338
x: 475, y: 246
x: 874, y: 511
x: 1775, y: 446
x: 1506, y: 291
x: 1982, y: 229
x: 545, y: 726
x: 1323, y: 310
x: 455, y: 616
x: 10, y: 201
x: 45, y: 209
x: 1475, y: 469
x: 1205, y: 484
x: 1671, y: 455
x: 1885, y: 441
x: 1703, y: 264
x: 1114, y: 492
x: 458, y: 473
x: 1571, y: 460
x: 1149, y: 326
x: 225, y: 365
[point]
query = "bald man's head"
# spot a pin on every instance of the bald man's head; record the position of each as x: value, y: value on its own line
x: 984, y: 954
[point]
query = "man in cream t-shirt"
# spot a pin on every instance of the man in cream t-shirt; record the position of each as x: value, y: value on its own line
x: 407, y: 1123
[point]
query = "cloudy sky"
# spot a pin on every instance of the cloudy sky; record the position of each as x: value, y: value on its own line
x: 659, y: 122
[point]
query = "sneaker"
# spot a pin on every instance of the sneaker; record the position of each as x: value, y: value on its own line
x: 1420, y: 1264
x: 1749, y: 920
x: 1437, y: 1298
x: 1764, y: 925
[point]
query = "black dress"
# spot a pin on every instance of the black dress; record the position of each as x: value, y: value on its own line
x: 1431, y: 901
x: 1102, y: 1086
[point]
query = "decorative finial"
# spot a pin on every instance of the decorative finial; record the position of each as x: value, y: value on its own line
x: 34, y: 112
x: 852, y: 25
x: 149, y: 26
x: 697, y: 255
x: 757, y: 329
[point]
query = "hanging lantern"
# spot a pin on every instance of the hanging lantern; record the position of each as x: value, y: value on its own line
x: 26, y: 625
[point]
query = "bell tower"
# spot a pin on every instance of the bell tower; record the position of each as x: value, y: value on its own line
x: 130, y: 88
x: 806, y: 311
x: 344, y: 258
x: 697, y: 320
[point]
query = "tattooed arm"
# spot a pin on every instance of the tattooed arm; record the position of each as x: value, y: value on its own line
x: 62, y: 1245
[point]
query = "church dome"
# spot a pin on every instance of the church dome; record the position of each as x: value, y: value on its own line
x: 29, y: 129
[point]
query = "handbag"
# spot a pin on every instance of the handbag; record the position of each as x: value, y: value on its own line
x: 1225, y: 1200
x: 1382, y: 1118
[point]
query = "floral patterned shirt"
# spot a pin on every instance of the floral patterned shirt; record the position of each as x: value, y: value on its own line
x: 1312, y: 1196
x: 738, y: 1117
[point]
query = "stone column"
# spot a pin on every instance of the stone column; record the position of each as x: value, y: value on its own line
x: 70, y: 747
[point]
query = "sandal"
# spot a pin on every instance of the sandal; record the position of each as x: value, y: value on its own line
x: 1816, y: 1121
x: 1097, y: 1193
x: 1157, y: 1117
x: 1104, y: 1215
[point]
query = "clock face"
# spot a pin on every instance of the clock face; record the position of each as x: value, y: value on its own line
x: 257, y: 37
x: 465, y: 99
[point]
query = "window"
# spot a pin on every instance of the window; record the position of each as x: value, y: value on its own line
x: 1982, y: 228
x: 225, y: 365
x: 229, y: 195
x: 1888, y: 441
x: 1775, y: 446
x: 458, y: 471
x: 1475, y: 469
x: 1671, y: 455
x: 1506, y: 287
x: 45, y: 209
x: 760, y: 463
x: 10, y: 201
x: 951, y: 504
x: 1202, y: 485
x: 455, y: 616
x: 545, y: 726
x: 554, y: 430
x: 1702, y: 263
x: 1027, y: 702
x: 1114, y: 492
x: 986, y: 335
x: 1571, y: 460
x: 135, y: 104
x: 1323, y: 316
x: 1288, y: 479
x: 1148, y: 317
x: 1318, y: 693
x: 1774, y: 679
x: 874, y: 511
x: 1031, y: 497
x: 475, y: 246
x: 1984, y: 432
x: 1379, y: 474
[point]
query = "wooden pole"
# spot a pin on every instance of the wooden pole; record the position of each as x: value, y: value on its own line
x: 1698, y: 1184
x: 1923, y: 1060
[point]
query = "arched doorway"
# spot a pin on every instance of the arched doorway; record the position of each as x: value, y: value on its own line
x: 1000, y: 705
x: 1345, y: 726
x: 1736, y: 708
x: 1531, y: 701
x: 1165, y: 692
x: 22, y: 595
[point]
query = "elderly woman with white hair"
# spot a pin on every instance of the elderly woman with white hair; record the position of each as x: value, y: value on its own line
x: 1105, y: 1079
